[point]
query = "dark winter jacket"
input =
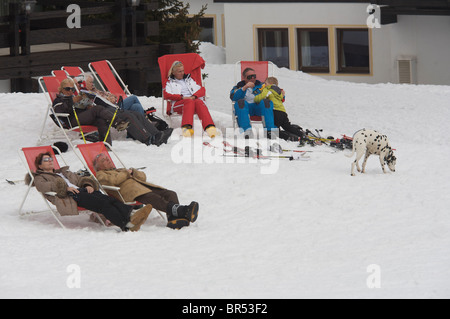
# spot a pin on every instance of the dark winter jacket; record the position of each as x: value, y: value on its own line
x: 63, y: 104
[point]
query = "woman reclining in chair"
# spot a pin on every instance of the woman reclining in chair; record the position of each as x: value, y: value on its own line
x: 73, y: 190
x: 186, y: 97
x: 88, y: 113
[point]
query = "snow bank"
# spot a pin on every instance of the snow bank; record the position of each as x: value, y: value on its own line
x: 308, y: 230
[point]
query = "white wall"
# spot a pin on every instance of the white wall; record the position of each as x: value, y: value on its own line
x: 426, y: 37
x: 242, y: 20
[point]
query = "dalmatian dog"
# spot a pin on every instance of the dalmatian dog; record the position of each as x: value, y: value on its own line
x: 371, y: 142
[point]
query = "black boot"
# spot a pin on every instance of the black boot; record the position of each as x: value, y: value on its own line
x: 166, y: 134
x: 161, y: 137
x: 179, y: 215
x: 154, y: 139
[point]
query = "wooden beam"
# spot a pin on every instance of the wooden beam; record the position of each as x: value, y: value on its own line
x: 414, y: 3
x: 42, y: 63
x: 387, y: 17
x: 64, y: 14
x: 95, y: 32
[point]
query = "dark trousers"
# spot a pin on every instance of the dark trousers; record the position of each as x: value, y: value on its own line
x: 140, y: 128
x: 159, y: 198
x: 115, y: 211
x: 97, y: 116
x: 282, y: 121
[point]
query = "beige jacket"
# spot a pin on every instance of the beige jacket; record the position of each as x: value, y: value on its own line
x: 51, y: 182
x: 131, y: 185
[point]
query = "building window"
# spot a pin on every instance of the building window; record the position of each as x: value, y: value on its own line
x: 313, y: 50
x: 273, y: 45
x: 207, y: 29
x: 353, y: 51
x: 207, y: 33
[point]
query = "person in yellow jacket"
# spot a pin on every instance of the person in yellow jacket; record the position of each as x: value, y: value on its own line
x: 272, y: 92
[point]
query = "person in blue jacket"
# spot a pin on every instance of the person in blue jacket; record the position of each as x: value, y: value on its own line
x: 243, y: 94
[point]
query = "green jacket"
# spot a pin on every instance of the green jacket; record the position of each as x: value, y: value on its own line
x: 273, y: 93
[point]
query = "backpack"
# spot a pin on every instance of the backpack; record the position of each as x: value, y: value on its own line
x: 160, y: 124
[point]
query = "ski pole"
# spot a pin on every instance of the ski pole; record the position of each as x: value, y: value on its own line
x: 79, y: 125
x: 110, y: 124
x: 297, y: 151
x: 291, y: 158
x: 114, y: 116
x: 13, y: 182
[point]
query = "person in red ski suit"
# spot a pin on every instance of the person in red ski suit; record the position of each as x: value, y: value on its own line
x: 187, y: 97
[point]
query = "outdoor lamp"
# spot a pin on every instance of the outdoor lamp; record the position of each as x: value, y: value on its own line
x: 28, y: 6
x: 133, y: 3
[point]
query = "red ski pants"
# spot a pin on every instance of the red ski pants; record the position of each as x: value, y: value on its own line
x: 189, y: 108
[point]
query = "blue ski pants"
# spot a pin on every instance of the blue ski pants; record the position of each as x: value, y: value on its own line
x: 243, y: 110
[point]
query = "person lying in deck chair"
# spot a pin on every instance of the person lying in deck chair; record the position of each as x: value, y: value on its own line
x: 134, y: 187
x: 73, y: 190
x: 137, y: 126
x: 98, y: 116
x: 129, y: 107
x: 130, y: 103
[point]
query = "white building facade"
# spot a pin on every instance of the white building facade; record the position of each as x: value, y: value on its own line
x: 337, y: 40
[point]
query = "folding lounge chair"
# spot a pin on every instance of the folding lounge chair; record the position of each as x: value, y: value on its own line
x: 263, y: 69
x: 28, y: 155
x: 59, y: 74
x: 89, y: 152
x: 49, y: 85
x: 108, y: 78
x: 72, y: 70
x: 193, y: 64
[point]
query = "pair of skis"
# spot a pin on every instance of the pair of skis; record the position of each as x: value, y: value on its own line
x: 346, y: 142
x: 255, y: 153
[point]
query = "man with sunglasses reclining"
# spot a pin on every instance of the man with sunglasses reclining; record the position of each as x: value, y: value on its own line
x: 243, y: 94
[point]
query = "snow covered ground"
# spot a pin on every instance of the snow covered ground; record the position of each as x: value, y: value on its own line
x: 305, y: 230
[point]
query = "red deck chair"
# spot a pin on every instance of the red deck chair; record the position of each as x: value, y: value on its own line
x: 89, y: 152
x: 193, y: 64
x: 108, y: 78
x: 59, y: 74
x: 28, y: 155
x: 263, y: 69
x: 72, y: 70
x: 49, y: 85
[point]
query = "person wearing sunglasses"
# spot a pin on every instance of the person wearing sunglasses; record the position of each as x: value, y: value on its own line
x: 89, y: 113
x: 73, y: 191
x: 92, y: 115
x: 243, y: 94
